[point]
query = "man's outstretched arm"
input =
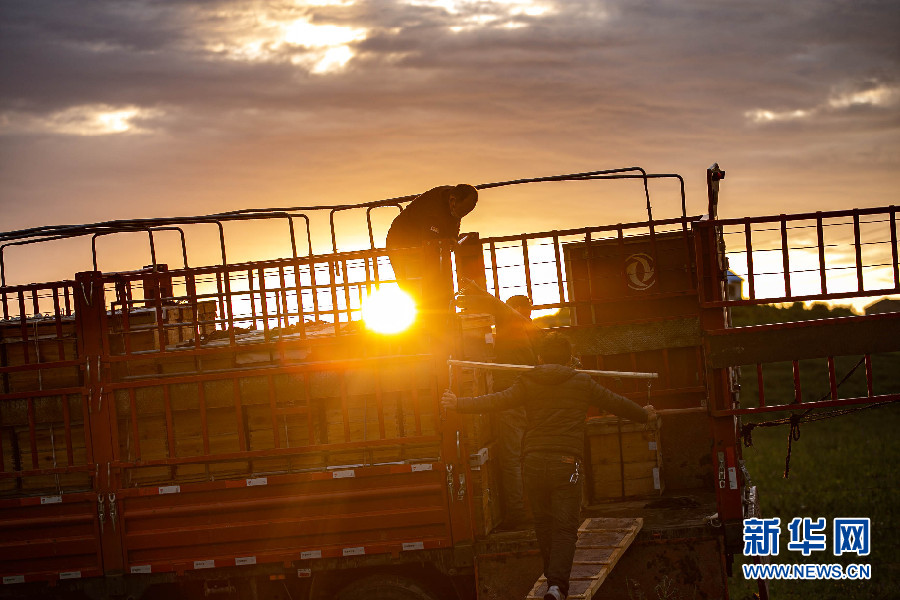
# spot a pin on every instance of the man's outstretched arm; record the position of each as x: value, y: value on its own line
x: 508, y: 398
x: 620, y: 405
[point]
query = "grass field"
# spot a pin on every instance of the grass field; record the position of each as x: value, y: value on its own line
x: 845, y: 466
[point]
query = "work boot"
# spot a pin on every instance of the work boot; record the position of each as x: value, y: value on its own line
x: 553, y: 593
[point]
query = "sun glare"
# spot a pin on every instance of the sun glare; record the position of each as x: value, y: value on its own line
x: 388, y: 310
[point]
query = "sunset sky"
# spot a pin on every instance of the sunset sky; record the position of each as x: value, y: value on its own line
x: 124, y: 108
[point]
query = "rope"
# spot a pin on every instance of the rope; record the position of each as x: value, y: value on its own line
x: 796, y: 418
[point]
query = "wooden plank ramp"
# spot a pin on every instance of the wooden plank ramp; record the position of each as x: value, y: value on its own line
x: 601, y: 543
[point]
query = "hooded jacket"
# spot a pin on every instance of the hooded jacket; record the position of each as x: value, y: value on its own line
x: 556, y: 400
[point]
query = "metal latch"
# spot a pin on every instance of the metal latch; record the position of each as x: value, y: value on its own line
x: 101, y: 511
x: 450, y: 480
x: 721, y: 470
x: 461, y: 494
x: 113, y: 510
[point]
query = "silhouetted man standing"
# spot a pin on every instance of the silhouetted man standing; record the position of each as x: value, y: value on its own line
x: 413, y: 236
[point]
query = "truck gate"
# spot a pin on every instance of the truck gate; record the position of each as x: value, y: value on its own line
x: 169, y: 421
x: 50, y: 525
x: 200, y: 387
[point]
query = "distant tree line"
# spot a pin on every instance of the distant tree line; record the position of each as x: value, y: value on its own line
x: 771, y: 313
x: 742, y: 315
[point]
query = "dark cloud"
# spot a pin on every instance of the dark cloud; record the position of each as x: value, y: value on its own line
x: 586, y: 84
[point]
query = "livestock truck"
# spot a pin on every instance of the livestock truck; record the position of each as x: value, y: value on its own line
x: 235, y: 429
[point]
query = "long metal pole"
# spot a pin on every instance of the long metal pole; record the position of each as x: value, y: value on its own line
x: 507, y: 367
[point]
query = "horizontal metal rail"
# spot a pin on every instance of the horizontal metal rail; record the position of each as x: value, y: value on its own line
x: 830, y: 260
x: 505, y: 367
x: 862, y: 400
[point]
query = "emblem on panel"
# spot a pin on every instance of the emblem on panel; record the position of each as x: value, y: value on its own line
x: 640, y: 271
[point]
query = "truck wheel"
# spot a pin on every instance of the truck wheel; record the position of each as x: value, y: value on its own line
x: 385, y: 587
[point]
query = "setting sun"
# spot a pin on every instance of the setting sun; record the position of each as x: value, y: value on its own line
x: 388, y: 310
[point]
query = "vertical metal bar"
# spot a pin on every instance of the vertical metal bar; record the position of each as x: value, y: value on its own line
x: 310, y: 429
x: 273, y: 408
x: 333, y: 235
x: 283, y: 297
x: 699, y: 364
x: 264, y: 302
x: 32, y: 433
x: 204, y: 426
x: 798, y: 395
x: 869, y: 375
x: 113, y: 418
x: 2, y: 460
x: 126, y: 318
x: 86, y: 430
x: 751, y: 277
x: 252, y: 299
x: 315, y: 289
x: 785, y: 257
x: 57, y: 321
x: 345, y: 410
x: 494, y: 269
x: 589, y: 258
x: 191, y: 284
x: 160, y: 319
x: 68, y: 301
x: 170, y: 421
x: 23, y: 328
x: 620, y: 245
x: 375, y: 276
x: 67, y: 428
x: 347, y: 290
x: 621, y: 456
x: 896, y: 261
x: 298, y: 289
x: 34, y: 302
x: 6, y: 307
x: 152, y: 250
x: 688, y: 246
x: 369, y: 224
x: 222, y: 241
x: 293, y: 236
x: 226, y: 275
x: 379, y: 403
x: 820, y: 237
x: 527, y: 266
x: 221, y: 300
x: 832, y: 378
x: 760, y: 385
x: 368, y: 275
x: 858, y: 248
x: 135, y: 432
x: 559, y: 275
x: 417, y: 413
x: 332, y: 271
x: 239, y: 413
x: 666, y: 371
x: 631, y: 385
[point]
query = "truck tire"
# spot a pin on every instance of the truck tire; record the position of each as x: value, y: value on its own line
x: 385, y: 587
